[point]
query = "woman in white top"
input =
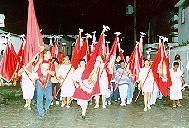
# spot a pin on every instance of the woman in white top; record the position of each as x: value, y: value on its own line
x: 67, y: 86
x: 175, y: 89
x: 146, y: 80
x: 28, y: 86
x: 77, y: 79
x: 103, y: 84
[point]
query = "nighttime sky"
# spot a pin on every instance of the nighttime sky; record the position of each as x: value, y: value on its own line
x: 67, y: 16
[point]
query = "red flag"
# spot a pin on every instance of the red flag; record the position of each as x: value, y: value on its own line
x: 34, y: 42
x: 61, y: 56
x: 90, y: 75
x: 110, y: 61
x: 76, y: 51
x: 21, y: 56
x: 9, y: 63
x: 134, y: 64
x: 160, y: 69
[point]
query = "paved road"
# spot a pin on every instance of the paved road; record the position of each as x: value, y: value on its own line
x: 13, y: 114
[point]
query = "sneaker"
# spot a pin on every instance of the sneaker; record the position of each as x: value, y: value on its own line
x: 109, y: 103
x: 51, y: 103
x: 63, y: 105
x: 83, y: 117
x: 96, y: 106
x: 25, y: 106
x: 148, y: 106
x: 47, y: 112
x: 57, y: 102
x: 122, y: 104
x: 29, y: 108
x: 128, y: 102
x: 115, y: 100
x: 103, y: 106
x: 145, y: 109
x: 67, y: 106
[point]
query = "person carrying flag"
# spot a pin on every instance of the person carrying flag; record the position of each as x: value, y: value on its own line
x: 45, y: 69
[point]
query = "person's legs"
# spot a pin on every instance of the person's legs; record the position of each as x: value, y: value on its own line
x: 48, y: 95
x: 97, y: 97
x: 115, y: 92
x: 123, y: 93
x: 40, y: 94
x: 148, y: 99
x: 68, y: 102
x: 145, y: 101
x: 29, y: 104
x: 103, y: 101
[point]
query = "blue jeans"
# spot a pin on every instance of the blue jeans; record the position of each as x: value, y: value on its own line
x: 116, y: 92
x: 41, y: 94
x: 130, y: 89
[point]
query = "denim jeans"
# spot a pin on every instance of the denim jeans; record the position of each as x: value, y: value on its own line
x: 115, y: 92
x: 130, y: 89
x: 41, y: 94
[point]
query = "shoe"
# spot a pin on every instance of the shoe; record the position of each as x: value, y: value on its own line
x: 145, y: 109
x: 115, y: 100
x: 51, y: 103
x: 96, y: 106
x: 174, y: 106
x: 103, y: 106
x: 67, y: 106
x: 25, y: 106
x: 179, y: 105
x: 63, y: 105
x: 109, y: 103
x: 106, y: 103
x: 122, y: 104
x: 47, y: 112
x: 128, y: 102
x: 148, y: 106
x: 119, y: 99
x: 29, y: 108
x: 83, y: 117
x: 57, y: 102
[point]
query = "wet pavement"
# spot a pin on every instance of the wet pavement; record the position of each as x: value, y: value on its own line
x: 13, y: 114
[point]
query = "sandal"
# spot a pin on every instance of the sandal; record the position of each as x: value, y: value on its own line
x: 174, y: 106
x: 179, y: 105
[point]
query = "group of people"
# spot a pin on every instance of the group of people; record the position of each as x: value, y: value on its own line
x: 52, y: 80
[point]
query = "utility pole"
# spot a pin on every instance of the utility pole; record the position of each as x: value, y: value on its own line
x: 135, y: 31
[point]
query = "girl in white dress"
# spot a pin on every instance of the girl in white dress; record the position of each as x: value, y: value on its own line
x: 175, y: 89
x: 146, y: 80
x: 103, y: 83
x: 77, y: 79
x: 67, y: 86
x: 28, y: 86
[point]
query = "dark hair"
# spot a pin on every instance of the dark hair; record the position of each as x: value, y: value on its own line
x: 82, y: 60
x: 176, y: 63
x: 146, y: 60
x: 121, y: 61
x: 55, y: 59
x: 177, y: 57
x: 2, y: 51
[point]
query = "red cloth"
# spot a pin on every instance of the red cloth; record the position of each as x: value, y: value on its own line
x: 34, y: 42
x: 79, y: 93
x: 160, y: 69
x: 134, y: 63
x: 21, y: 56
x: 76, y: 51
x: 9, y: 63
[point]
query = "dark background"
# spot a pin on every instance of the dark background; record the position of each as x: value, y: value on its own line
x: 67, y: 16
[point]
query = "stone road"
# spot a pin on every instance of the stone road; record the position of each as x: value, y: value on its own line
x: 13, y: 114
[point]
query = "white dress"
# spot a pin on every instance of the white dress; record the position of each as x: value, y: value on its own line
x: 77, y: 77
x: 175, y: 89
x: 67, y: 88
x: 27, y: 85
x: 146, y: 79
x: 103, y: 82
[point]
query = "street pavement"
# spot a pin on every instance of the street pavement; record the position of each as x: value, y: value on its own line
x: 162, y: 115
